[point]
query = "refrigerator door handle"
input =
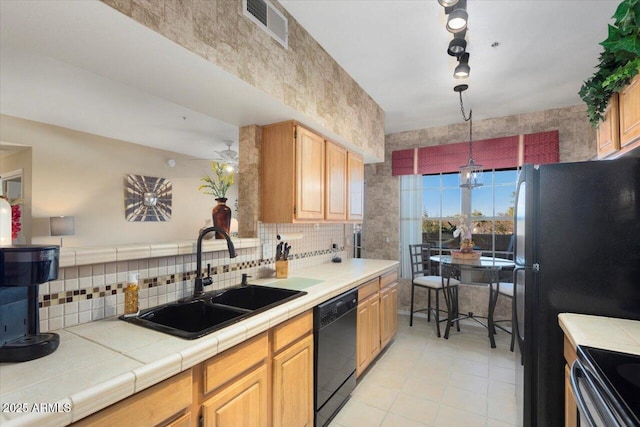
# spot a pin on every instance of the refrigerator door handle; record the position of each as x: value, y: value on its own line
x: 534, y: 267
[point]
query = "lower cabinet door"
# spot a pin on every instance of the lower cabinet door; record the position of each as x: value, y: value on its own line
x: 389, y: 316
x: 293, y: 385
x: 363, y: 338
x: 242, y: 403
x: 374, y: 315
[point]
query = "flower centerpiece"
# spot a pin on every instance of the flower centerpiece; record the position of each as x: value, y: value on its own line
x: 466, y: 241
x: 217, y: 186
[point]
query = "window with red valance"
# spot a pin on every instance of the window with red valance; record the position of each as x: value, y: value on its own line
x: 496, y: 153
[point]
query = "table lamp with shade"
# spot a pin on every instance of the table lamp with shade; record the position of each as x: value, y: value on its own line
x: 62, y: 226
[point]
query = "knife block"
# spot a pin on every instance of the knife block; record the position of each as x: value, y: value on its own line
x: 282, y: 269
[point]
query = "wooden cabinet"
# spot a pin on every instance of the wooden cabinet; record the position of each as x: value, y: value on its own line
x: 336, y: 182
x: 377, y: 318
x: 570, y: 406
x: 388, y: 306
x: 306, y: 178
x: 619, y: 132
x: 243, y: 402
x: 293, y: 174
x: 608, y: 133
x: 293, y: 385
x: 630, y: 112
x: 367, y: 324
x: 389, y: 313
x: 292, y: 397
x: 235, y: 385
x: 355, y: 193
x: 163, y: 404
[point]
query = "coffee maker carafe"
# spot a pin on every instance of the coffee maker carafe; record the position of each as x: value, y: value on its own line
x: 22, y: 269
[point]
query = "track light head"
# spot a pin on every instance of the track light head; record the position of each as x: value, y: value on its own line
x: 447, y: 3
x: 458, y: 17
x: 462, y: 70
x: 458, y: 45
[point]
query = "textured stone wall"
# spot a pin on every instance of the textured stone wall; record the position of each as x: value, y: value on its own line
x: 303, y: 77
x: 250, y: 140
x: 381, y: 229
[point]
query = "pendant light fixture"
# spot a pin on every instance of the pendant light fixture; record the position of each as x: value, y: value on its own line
x: 471, y: 173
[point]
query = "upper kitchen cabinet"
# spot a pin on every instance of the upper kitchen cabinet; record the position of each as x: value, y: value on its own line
x: 630, y: 112
x: 355, y: 179
x: 608, y: 134
x: 619, y: 132
x: 336, y: 188
x: 306, y: 178
x: 293, y: 174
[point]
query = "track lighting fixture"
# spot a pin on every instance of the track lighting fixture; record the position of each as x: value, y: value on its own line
x: 462, y: 70
x: 447, y: 3
x: 458, y: 17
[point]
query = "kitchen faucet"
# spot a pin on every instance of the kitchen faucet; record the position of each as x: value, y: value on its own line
x: 201, y: 282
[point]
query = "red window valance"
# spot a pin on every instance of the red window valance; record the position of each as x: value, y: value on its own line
x: 496, y: 153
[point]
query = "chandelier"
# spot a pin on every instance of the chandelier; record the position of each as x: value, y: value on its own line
x: 471, y: 173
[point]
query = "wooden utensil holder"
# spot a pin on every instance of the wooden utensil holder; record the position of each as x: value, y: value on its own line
x: 282, y: 269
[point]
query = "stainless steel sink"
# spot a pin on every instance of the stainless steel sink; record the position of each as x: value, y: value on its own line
x: 210, y: 312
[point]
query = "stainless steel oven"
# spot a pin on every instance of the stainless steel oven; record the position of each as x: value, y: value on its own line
x: 606, y: 385
x: 335, y: 354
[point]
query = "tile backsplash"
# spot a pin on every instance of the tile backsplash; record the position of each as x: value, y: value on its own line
x: 91, y: 292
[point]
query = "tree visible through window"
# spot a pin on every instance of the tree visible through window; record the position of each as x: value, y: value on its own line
x: 492, y: 207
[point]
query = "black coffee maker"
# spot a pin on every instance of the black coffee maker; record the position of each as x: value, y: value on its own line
x: 22, y: 269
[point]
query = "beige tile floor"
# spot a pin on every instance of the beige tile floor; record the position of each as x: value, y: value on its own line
x: 423, y: 380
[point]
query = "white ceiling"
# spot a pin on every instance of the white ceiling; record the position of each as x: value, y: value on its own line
x: 81, y: 65
x: 397, y: 51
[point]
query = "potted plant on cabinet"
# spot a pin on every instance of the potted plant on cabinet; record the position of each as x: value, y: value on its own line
x: 619, y: 62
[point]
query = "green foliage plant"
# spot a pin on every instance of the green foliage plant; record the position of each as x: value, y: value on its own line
x: 619, y: 62
x: 218, y: 184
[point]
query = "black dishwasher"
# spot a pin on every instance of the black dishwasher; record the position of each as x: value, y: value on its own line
x: 334, y: 331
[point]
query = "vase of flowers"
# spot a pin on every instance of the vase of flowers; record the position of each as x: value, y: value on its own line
x: 217, y: 186
x: 463, y: 230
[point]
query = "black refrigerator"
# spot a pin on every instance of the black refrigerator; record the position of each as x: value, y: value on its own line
x: 577, y: 250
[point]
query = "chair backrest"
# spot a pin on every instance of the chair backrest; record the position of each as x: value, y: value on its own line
x: 420, y: 259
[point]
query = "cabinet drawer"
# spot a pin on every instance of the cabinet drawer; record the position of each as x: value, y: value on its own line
x: 149, y: 407
x: 289, y: 331
x: 388, y: 278
x: 368, y: 288
x: 233, y: 362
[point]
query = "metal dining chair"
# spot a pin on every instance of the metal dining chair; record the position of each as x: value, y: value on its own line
x: 497, y: 289
x: 421, y: 277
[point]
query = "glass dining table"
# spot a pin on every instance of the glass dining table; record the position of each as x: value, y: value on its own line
x: 454, y: 266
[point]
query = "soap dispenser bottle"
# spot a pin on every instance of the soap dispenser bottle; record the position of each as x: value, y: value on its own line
x: 131, y: 295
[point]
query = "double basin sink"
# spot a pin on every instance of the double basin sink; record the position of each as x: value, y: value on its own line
x: 210, y: 312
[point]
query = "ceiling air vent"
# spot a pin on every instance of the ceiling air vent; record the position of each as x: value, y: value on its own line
x: 266, y: 16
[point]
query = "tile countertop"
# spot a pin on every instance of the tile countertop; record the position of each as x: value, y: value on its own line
x: 601, y: 332
x: 102, y: 362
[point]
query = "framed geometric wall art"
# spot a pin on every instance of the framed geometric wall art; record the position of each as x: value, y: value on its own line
x: 147, y: 198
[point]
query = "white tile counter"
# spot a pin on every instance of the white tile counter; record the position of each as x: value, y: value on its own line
x: 100, y: 363
x: 601, y: 332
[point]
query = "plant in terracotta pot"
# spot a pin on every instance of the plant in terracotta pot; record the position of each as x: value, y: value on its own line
x: 619, y: 62
x: 217, y: 186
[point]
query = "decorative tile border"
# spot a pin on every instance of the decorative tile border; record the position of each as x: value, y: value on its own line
x: 64, y: 297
